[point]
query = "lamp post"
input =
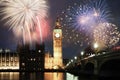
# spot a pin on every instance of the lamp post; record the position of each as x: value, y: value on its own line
x: 82, y: 53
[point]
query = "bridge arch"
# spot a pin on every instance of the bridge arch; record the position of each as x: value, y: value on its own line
x: 110, y: 68
x: 89, y: 68
x: 77, y: 66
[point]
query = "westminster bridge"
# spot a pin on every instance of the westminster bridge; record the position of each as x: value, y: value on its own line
x: 101, y: 64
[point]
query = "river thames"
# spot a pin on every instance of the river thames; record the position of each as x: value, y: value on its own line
x: 50, y: 76
x: 38, y: 76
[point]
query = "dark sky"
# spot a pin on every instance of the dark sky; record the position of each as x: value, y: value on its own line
x: 7, y: 39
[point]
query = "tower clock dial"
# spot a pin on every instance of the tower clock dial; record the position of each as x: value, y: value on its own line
x: 57, y: 35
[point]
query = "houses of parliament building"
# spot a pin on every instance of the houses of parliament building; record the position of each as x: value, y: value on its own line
x: 23, y: 58
x: 26, y: 58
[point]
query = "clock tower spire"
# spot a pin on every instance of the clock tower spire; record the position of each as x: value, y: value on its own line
x: 57, y: 24
x: 57, y: 42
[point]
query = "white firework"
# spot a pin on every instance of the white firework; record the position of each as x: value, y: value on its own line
x: 21, y: 15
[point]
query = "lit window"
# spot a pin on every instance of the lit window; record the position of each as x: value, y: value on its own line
x: 15, y: 58
x: 39, y: 51
x: 11, y: 58
x: 23, y: 64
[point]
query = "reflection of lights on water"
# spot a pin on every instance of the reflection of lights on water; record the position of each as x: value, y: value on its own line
x: 71, y: 77
x: 9, y: 75
x: 53, y: 76
x: 71, y: 60
x: 39, y: 51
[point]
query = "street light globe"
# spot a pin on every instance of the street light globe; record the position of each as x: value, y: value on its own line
x: 95, y: 45
x: 71, y: 60
x: 75, y: 57
x: 82, y: 53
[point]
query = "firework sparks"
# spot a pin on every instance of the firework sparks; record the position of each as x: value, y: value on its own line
x: 106, y: 34
x: 86, y: 16
x: 24, y: 17
x: 74, y: 37
x: 83, y: 21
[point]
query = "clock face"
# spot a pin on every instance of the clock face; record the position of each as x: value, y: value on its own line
x: 57, y: 35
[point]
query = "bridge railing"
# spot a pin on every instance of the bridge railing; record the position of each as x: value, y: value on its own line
x: 77, y: 59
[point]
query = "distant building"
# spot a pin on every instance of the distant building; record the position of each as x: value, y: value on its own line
x: 26, y: 58
x: 32, y: 59
x: 9, y: 60
x: 49, y: 61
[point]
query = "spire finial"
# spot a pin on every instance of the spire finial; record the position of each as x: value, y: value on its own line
x: 57, y: 23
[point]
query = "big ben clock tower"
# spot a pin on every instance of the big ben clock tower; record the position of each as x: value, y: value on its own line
x: 57, y: 42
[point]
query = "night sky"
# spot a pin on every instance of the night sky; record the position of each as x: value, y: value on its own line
x: 7, y: 39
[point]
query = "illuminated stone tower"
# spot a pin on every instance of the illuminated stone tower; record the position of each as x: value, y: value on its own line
x: 57, y: 42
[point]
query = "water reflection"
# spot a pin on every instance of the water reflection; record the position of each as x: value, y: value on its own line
x: 9, y: 76
x: 36, y: 76
x: 71, y: 77
x: 31, y: 76
x: 53, y: 76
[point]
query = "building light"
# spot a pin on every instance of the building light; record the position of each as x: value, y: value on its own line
x: 82, y: 53
x: 39, y: 51
x: 23, y: 64
x: 1, y: 50
x: 34, y: 59
x: 71, y: 60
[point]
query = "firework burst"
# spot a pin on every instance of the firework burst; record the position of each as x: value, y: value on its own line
x: 106, y: 34
x: 82, y: 18
x: 89, y: 21
x: 25, y: 18
x: 86, y: 15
